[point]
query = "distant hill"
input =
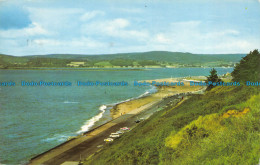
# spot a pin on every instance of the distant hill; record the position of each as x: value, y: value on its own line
x: 142, y: 59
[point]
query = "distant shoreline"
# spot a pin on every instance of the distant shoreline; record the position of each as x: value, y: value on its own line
x: 107, y: 69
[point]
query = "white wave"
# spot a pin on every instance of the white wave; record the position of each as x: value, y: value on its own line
x: 93, y: 120
x: 70, y: 102
x: 153, y: 89
x: 102, y: 108
x: 56, y: 137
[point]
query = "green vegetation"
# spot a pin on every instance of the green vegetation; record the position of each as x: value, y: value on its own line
x: 46, y: 62
x: 219, y: 127
x: 193, y: 133
x: 213, y: 77
x: 147, y: 59
x: 248, y: 68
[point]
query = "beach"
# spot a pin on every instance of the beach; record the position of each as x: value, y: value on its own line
x: 162, y: 92
x: 124, y: 115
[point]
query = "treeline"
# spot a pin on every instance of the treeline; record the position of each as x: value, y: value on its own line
x: 35, y: 62
x: 55, y: 62
x: 52, y: 62
x: 47, y: 62
x: 129, y: 62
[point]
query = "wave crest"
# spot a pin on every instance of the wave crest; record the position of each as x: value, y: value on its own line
x: 93, y: 120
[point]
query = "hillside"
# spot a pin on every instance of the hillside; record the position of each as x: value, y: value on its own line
x: 146, y: 59
x: 220, y: 127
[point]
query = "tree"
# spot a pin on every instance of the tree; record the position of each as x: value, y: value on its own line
x: 213, y: 77
x: 248, y: 69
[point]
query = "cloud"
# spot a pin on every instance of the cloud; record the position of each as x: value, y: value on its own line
x: 65, y: 22
x: 89, y: 15
x: 218, y: 34
x: 240, y: 45
x: 191, y: 36
x: 54, y: 27
x: 36, y: 29
x: 115, y: 24
x: 49, y: 46
x: 162, y: 39
x: 118, y: 28
x: 73, y: 43
x: 56, y: 19
x: 172, y: 37
x: 33, y: 30
x: 47, y: 42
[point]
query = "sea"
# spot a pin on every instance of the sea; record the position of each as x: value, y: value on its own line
x: 34, y: 118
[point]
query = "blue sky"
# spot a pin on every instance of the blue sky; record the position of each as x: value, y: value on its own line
x: 30, y: 27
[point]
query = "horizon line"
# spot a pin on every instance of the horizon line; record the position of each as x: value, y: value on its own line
x: 119, y: 53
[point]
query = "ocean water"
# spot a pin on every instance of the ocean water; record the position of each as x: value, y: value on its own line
x: 35, y: 119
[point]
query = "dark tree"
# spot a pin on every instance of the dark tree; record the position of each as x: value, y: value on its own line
x: 213, y: 77
x: 248, y: 69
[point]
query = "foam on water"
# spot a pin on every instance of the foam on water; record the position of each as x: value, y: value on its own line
x: 103, y: 108
x: 93, y: 120
x: 56, y: 137
x: 70, y: 102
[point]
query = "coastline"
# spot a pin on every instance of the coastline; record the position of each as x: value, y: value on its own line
x: 162, y: 92
x: 105, y: 114
x: 135, y: 108
x: 112, y: 111
x: 105, y: 68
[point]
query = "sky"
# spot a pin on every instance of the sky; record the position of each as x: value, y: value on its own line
x: 37, y: 27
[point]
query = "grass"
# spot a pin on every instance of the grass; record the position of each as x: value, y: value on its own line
x: 196, y: 132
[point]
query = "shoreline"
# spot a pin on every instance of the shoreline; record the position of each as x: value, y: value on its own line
x: 94, y: 136
x: 108, y: 68
x: 149, y: 97
x: 105, y: 113
x: 162, y: 92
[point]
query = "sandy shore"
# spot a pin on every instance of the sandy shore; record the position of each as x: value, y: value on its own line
x: 163, y: 91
